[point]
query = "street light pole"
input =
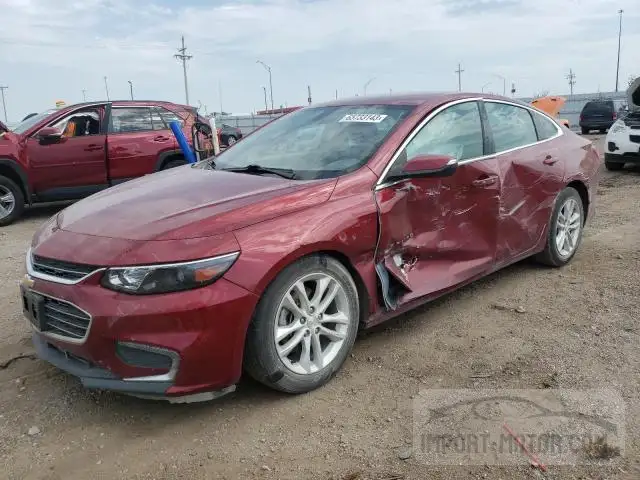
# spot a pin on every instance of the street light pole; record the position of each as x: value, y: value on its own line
x: 131, y: 88
x: 620, y: 12
x: 268, y: 69
x: 4, y: 105
x: 266, y: 105
x: 485, y: 86
x: 367, y: 84
x: 84, y: 95
x: 504, y: 84
x: 106, y: 87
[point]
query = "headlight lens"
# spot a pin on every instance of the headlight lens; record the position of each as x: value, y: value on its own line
x: 618, y: 127
x: 174, y: 277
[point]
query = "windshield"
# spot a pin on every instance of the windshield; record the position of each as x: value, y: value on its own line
x: 31, y: 121
x: 318, y: 142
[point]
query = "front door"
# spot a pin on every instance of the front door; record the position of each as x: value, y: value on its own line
x: 436, y: 233
x: 75, y: 165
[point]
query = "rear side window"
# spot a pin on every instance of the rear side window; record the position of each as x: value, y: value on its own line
x: 127, y: 120
x: 511, y: 126
x: 545, y: 127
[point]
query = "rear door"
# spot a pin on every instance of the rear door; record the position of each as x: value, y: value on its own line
x: 436, y: 233
x: 138, y: 136
x: 75, y: 165
x: 532, y: 173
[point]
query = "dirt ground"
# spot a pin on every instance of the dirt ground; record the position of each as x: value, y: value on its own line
x: 577, y: 328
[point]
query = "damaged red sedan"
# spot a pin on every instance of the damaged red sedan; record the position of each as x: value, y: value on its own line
x: 271, y: 256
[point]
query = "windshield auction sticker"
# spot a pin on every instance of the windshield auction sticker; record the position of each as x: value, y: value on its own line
x: 363, y: 117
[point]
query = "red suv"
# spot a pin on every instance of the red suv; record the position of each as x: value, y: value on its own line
x: 272, y: 255
x: 70, y: 153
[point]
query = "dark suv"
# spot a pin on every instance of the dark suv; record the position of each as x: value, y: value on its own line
x: 600, y: 115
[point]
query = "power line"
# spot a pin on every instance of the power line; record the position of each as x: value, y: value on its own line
x: 183, y: 57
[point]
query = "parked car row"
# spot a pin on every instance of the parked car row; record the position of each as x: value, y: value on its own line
x: 270, y: 257
x: 622, y: 144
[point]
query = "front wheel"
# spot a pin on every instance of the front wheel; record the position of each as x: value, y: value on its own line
x: 565, y: 229
x: 231, y: 140
x: 11, y: 201
x: 177, y: 162
x: 304, y: 326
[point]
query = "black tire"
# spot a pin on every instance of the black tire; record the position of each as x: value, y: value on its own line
x: 18, y: 197
x: 584, y: 130
x: 261, y: 359
x: 603, y: 130
x: 176, y: 162
x: 231, y: 140
x: 550, y: 256
x: 614, y: 166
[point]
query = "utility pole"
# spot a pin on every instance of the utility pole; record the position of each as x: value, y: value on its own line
x: 504, y: 84
x: 183, y: 57
x: 220, y: 95
x: 336, y: 93
x: 459, y: 72
x: 4, y: 105
x: 620, y: 12
x: 268, y: 69
x: 131, y: 88
x: 572, y: 80
x: 84, y: 95
x: 266, y: 105
x: 106, y: 87
x: 309, y: 90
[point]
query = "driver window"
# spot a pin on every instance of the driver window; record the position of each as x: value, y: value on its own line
x: 455, y: 131
x: 80, y: 123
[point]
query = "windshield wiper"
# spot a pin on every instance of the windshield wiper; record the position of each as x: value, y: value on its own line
x: 259, y: 169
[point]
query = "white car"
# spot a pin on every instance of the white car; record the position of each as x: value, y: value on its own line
x: 623, y: 140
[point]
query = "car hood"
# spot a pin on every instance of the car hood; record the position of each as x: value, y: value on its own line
x: 187, y: 202
x: 550, y: 105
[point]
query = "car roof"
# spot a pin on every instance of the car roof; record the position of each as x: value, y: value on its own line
x: 124, y: 103
x: 416, y: 99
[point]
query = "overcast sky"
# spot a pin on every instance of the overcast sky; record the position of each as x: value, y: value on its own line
x: 52, y: 50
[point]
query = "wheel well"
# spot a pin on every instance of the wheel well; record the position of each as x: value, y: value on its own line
x: 11, y: 174
x: 175, y: 156
x: 584, y: 195
x: 363, y: 294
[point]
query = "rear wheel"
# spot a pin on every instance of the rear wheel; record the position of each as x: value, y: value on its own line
x: 565, y: 229
x: 603, y: 130
x: 11, y: 201
x: 231, y: 140
x: 176, y: 162
x: 614, y: 166
x: 585, y: 131
x: 304, y: 326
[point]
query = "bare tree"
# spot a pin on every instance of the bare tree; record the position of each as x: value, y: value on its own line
x: 541, y: 94
x: 632, y: 78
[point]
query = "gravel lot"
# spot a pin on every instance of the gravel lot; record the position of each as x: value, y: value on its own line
x: 577, y: 328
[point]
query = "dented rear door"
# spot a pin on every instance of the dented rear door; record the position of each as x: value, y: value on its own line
x: 436, y: 233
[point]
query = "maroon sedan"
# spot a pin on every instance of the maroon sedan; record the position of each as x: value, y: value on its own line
x: 270, y: 257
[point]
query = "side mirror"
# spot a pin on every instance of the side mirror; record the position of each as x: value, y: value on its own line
x: 430, y: 166
x: 48, y: 135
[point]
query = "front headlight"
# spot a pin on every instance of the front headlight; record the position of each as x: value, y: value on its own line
x: 618, y: 127
x: 173, y: 277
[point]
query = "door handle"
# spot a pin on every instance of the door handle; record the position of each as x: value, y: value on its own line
x: 160, y: 138
x: 549, y: 160
x: 93, y: 148
x: 485, y: 182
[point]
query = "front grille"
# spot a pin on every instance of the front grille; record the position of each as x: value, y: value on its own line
x: 64, y: 319
x: 61, y: 269
x: 634, y: 138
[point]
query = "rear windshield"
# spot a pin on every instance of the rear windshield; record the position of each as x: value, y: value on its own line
x: 598, y: 107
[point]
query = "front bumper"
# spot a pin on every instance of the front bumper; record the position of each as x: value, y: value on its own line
x: 619, y: 147
x: 200, y: 333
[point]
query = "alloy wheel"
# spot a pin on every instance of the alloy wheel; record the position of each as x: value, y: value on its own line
x: 7, y: 202
x: 568, y: 225
x: 312, y: 323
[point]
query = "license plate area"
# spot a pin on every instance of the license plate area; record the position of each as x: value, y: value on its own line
x: 33, y: 308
